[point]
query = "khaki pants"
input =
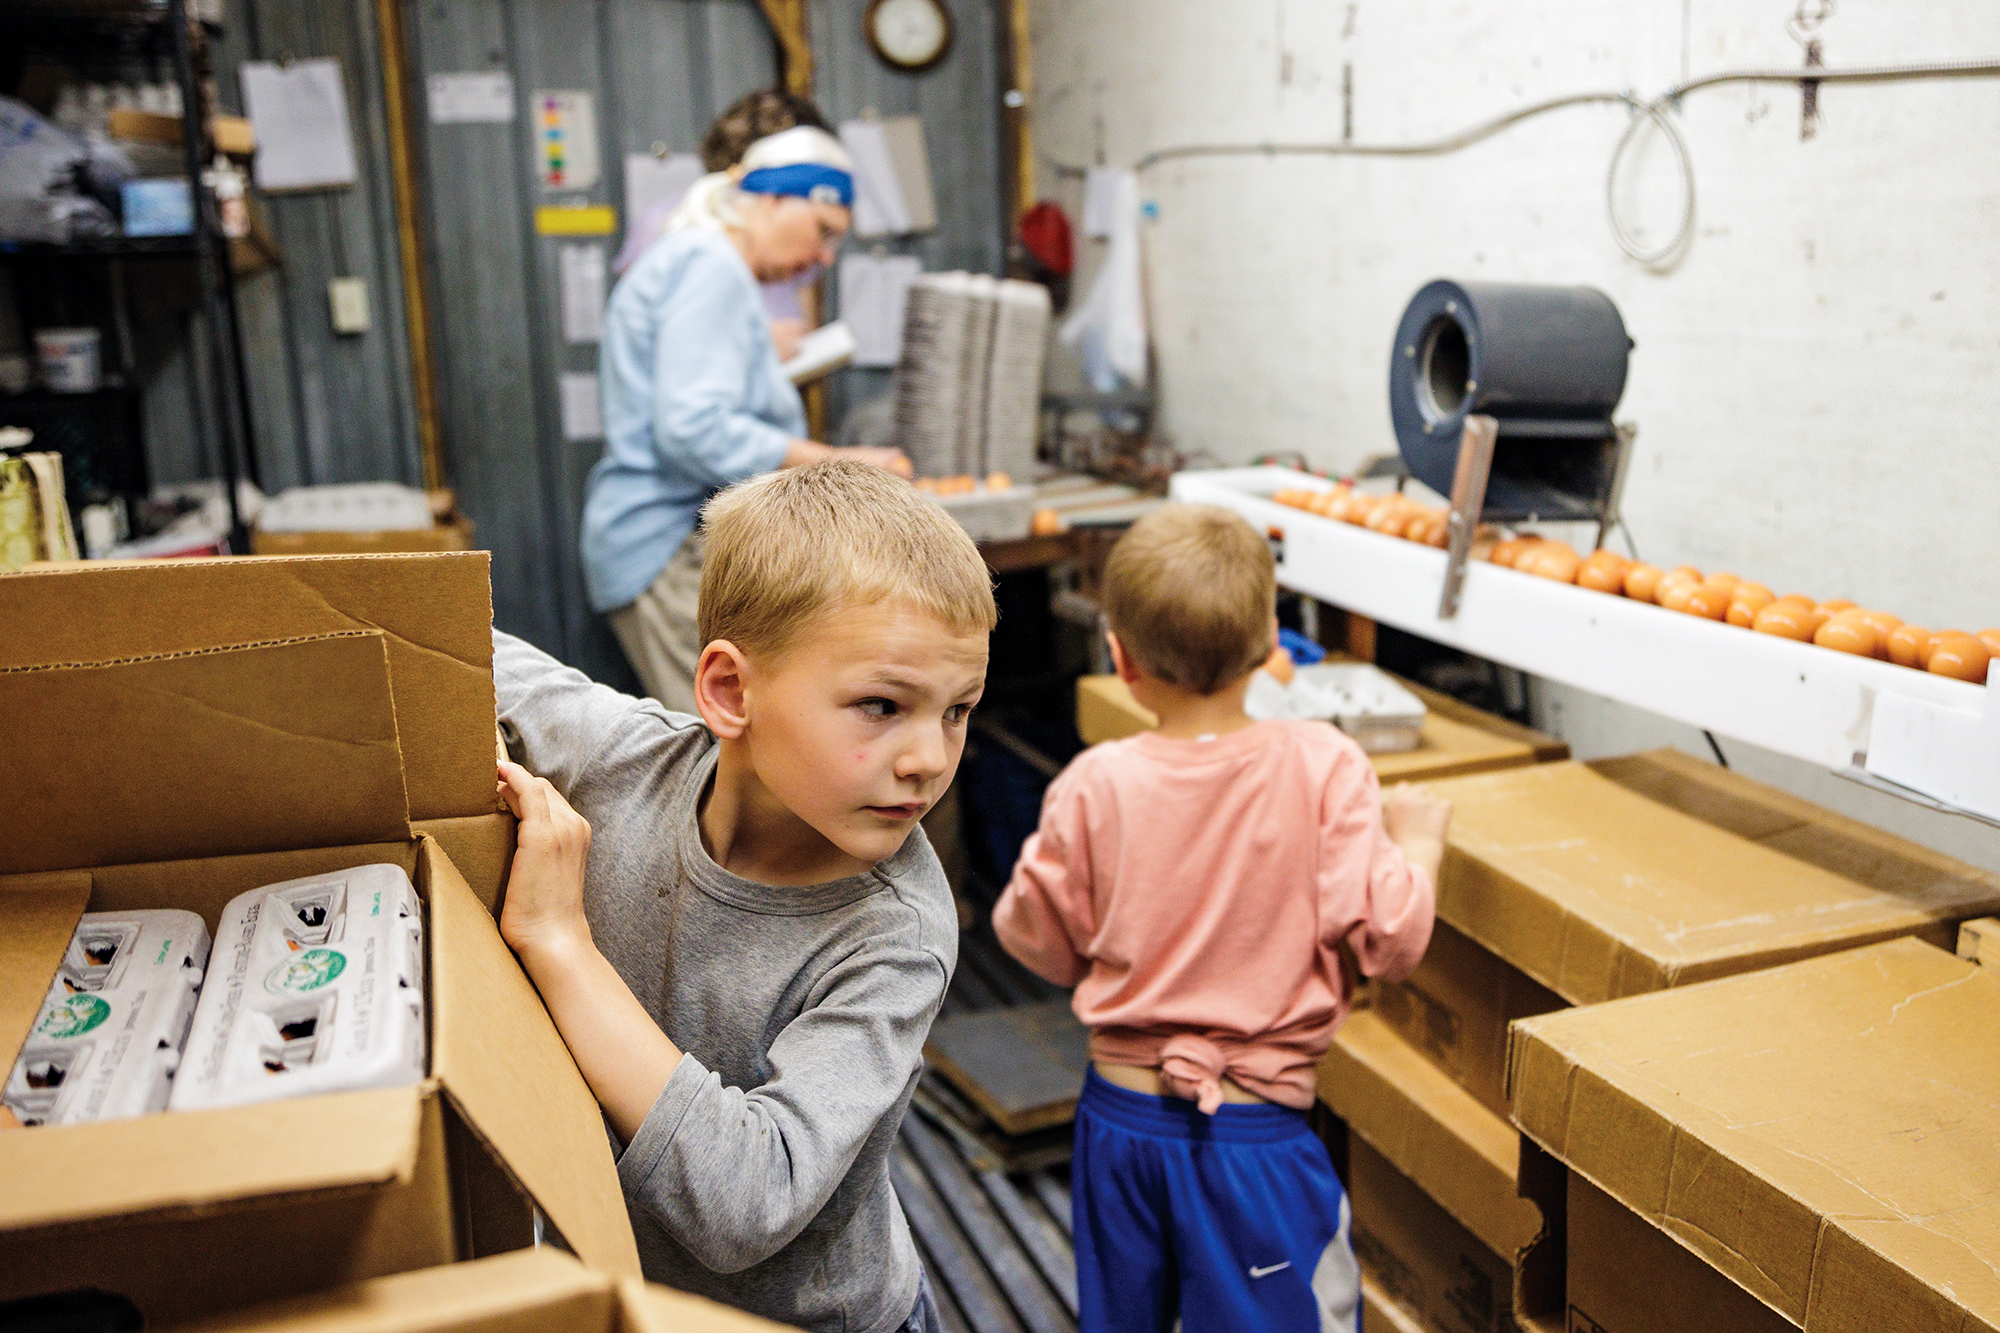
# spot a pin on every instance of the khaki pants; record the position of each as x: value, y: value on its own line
x: 659, y: 632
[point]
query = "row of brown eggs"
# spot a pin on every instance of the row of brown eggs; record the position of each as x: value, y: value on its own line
x: 995, y: 481
x: 1393, y: 514
x: 1837, y: 624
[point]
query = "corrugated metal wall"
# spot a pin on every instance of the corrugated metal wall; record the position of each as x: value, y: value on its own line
x: 331, y: 408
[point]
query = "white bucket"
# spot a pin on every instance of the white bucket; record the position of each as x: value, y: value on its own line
x: 70, y: 359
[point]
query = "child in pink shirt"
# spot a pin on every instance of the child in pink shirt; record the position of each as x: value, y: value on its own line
x: 1196, y: 885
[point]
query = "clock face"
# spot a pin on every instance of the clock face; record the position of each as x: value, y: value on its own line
x: 911, y: 33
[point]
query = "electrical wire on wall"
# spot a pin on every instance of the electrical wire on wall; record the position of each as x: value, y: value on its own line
x: 1644, y: 111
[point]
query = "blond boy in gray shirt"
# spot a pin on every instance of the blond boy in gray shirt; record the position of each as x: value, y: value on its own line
x: 735, y: 920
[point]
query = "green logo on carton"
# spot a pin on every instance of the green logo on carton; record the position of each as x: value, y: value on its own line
x: 73, y: 1016
x: 307, y: 972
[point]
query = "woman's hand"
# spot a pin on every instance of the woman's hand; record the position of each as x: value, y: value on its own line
x: 544, y: 906
x: 785, y: 336
x: 889, y: 460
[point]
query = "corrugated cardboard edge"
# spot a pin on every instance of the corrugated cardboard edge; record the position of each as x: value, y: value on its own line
x: 1430, y: 1129
x: 337, y: 752
x: 40, y: 913
x: 1574, y: 1114
x: 507, y: 1072
x: 645, y: 1308
x: 434, y: 608
x: 55, y: 1176
x: 557, y: 1291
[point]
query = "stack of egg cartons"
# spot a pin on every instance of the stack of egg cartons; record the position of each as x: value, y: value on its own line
x: 930, y: 376
x: 1014, y: 381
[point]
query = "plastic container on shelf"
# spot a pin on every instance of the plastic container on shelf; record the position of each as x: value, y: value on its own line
x: 319, y: 988
x: 108, y: 1039
x: 1366, y: 703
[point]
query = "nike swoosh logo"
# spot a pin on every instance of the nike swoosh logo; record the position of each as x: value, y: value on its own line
x: 1266, y: 1272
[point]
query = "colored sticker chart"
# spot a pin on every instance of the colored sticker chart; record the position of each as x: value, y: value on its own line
x: 565, y: 128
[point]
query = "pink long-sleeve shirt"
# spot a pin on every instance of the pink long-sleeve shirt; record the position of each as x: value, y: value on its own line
x: 1196, y: 892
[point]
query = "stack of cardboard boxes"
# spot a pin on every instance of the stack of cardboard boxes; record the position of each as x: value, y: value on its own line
x: 1577, y: 885
x: 178, y: 733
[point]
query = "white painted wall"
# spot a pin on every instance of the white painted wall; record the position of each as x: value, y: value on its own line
x: 1815, y: 382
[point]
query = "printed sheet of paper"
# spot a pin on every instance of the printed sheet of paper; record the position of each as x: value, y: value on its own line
x: 873, y: 289
x: 299, y: 113
x: 582, y: 417
x: 471, y: 97
x: 565, y: 138
x: 651, y: 181
x: 581, y: 269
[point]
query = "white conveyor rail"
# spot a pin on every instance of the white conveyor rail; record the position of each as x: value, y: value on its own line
x: 1936, y: 737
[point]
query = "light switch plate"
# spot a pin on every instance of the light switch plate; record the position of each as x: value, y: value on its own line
x: 347, y: 299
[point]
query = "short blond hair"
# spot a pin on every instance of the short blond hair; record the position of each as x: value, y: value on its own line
x: 791, y: 545
x: 1190, y: 592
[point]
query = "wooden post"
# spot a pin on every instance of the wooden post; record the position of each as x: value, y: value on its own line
x: 788, y: 20
x: 1016, y: 126
x: 416, y: 293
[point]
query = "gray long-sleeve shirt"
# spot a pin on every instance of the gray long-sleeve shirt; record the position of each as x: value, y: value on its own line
x: 760, y: 1178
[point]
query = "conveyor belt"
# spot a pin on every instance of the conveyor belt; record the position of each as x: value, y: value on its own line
x: 995, y: 1241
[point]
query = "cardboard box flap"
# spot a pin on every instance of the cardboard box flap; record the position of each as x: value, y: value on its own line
x: 1822, y: 1132
x: 37, y: 917
x: 1798, y: 828
x: 506, y: 1068
x: 645, y: 1308
x: 64, y: 1174
x: 246, y: 749
x: 541, y: 1289
x: 435, y: 610
x: 1430, y: 1129
x: 1597, y: 892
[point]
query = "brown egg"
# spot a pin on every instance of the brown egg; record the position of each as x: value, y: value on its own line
x: 1708, y: 601
x: 1799, y: 599
x: 1787, y: 620
x: 1551, y: 560
x: 928, y: 485
x: 1910, y: 646
x: 1045, y: 523
x: 1674, y: 594
x: 1642, y: 582
x: 1685, y: 572
x: 1836, y: 606
x: 1750, y: 598
x: 1418, y: 529
x: 1280, y: 664
x: 1390, y: 519
x: 1849, y: 636
x: 1726, y: 582
x: 1510, y: 551
x: 1991, y: 638
x: 1324, y: 503
x: 999, y: 481
x: 1359, y: 507
x: 1440, y: 532
x: 1604, y: 575
x: 1880, y: 621
x: 1961, y: 656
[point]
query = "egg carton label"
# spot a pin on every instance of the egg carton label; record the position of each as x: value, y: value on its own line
x: 109, y: 1037
x: 318, y: 987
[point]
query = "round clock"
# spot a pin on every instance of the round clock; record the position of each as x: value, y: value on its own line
x: 909, y: 34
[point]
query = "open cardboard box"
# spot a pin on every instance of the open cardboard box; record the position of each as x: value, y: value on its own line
x: 1822, y: 1134
x: 537, y: 1289
x: 1572, y: 884
x: 452, y: 531
x: 159, y: 759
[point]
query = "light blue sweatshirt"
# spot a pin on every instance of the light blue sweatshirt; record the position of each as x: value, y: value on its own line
x: 694, y: 400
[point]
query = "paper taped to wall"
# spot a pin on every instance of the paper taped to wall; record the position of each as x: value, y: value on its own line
x: 566, y: 139
x: 299, y: 114
x: 582, y: 418
x: 873, y: 289
x: 473, y: 97
x: 582, y: 274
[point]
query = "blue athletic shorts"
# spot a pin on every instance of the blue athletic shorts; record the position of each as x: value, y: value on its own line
x: 1234, y: 1221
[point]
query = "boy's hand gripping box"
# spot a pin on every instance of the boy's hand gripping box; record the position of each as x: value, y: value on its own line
x: 108, y: 1040
x: 187, y: 732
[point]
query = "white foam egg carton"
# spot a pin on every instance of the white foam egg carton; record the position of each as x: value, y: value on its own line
x: 988, y: 515
x: 108, y: 1038
x: 1363, y: 701
x: 317, y: 985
